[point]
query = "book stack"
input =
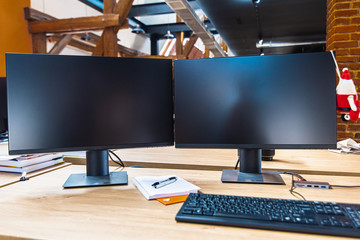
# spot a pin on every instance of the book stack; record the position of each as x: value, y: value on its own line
x: 28, y: 163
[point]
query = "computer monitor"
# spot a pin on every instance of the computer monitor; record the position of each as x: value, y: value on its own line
x: 3, y: 108
x: 254, y: 103
x: 70, y: 103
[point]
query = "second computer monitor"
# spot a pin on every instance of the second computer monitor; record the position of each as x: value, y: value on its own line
x: 251, y: 103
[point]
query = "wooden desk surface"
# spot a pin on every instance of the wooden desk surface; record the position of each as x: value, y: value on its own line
x: 40, y: 208
x: 302, y: 161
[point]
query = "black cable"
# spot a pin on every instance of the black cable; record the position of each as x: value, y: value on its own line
x: 291, y: 190
x: 120, y: 162
x: 294, y: 193
x: 237, y: 164
x: 294, y: 174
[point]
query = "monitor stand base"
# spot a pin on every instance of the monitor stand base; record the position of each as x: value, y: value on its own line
x: 267, y: 177
x: 82, y: 180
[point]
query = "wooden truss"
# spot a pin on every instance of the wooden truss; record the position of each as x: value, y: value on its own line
x: 70, y: 31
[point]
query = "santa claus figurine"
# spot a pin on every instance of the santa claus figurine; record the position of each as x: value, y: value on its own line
x: 347, y: 98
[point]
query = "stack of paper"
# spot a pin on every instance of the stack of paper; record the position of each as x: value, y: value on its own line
x: 177, y: 188
x: 28, y: 163
x: 347, y: 146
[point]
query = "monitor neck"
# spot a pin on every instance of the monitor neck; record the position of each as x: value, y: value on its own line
x: 250, y: 160
x: 97, y: 163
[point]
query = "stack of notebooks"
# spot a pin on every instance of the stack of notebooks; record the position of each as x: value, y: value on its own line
x: 28, y: 163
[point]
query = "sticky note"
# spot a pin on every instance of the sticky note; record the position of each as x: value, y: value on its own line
x: 172, y: 200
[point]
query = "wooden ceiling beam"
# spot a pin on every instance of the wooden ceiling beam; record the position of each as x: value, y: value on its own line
x: 89, y: 46
x: 61, y: 44
x: 75, y: 24
x: 35, y: 15
x: 40, y: 38
x: 75, y: 42
x: 190, y: 44
x: 122, y: 8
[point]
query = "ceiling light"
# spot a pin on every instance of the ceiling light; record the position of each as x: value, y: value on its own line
x: 256, y: 1
x: 169, y: 35
x: 137, y: 29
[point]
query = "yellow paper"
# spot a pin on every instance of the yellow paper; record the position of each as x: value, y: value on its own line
x: 171, y: 200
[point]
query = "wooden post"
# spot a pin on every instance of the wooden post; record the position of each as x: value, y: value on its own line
x: 190, y: 44
x: 122, y: 8
x: 39, y: 42
x: 179, y: 42
x: 206, y: 53
x: 110, y: 34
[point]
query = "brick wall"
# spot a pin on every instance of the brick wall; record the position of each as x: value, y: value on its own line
x: 343, y: 36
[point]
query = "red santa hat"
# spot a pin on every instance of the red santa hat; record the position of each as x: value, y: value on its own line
x: 345, y: 74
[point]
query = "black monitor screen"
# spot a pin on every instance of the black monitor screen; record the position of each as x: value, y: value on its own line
x: 64, y: 103
x: 278, y: 101
x: 70, y: 103
x: 256, y: 103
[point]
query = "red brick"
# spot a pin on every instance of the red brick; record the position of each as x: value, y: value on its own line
x: 347, y: 59
x: 342, y: 65
x: 345, y: 29
x: 356, y: 82
x: 355, y: 51
x: 337, y: 1
x: 345, y: 13
x: 356, y: 5
x: 341, y: 127
x: 330, y: 6
x: 330, y: 17
x: 354, y: 66
x: 344, y: 135
x: 346, y: 44
x: 342, y: 52
x: 342, y: 21
x: 357, y: 137
x: 355, y: 36
x: 355, y: 20
x: 340, y: 37
x: 345, y: 5
x: 357, y: 74
x: 353, y: 127
x: 339, y: 19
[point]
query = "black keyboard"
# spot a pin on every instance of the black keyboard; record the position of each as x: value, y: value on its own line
x: 275, y: 214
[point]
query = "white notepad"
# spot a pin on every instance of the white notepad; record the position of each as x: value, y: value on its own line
x: 177, y: 188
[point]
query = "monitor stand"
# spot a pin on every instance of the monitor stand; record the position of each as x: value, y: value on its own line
x: 250, y: 170
x: 97, y: 172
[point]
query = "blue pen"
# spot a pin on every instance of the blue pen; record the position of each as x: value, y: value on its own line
x: 163, y: 183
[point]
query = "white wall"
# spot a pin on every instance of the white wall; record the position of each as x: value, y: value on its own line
x: 75, y: 8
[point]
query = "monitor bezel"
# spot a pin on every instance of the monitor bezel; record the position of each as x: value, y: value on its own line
x: 17, y: 151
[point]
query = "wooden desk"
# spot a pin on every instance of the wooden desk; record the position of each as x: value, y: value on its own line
x: 302, y: 161
x: 40, y: 208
